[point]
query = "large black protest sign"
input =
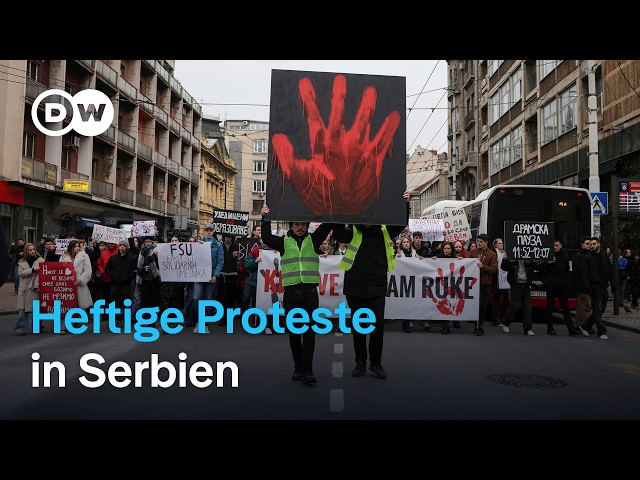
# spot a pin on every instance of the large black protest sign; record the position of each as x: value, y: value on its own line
x: 230, y: 222
x: 529, y: 240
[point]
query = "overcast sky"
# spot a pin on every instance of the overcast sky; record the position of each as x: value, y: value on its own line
x: 240, y: 89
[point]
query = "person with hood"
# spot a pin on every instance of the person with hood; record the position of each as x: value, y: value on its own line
x: 121, y: 268
x: 208, y: 290
x: 300, y: 276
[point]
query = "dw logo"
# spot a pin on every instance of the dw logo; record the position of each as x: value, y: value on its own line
x: 92, y: 112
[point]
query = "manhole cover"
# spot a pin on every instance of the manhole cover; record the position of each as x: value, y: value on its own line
x: 524, y: 380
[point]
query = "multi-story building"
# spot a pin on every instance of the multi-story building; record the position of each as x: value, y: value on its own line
x: 145, y: 166
x: 533, y: 123
x: 248, y: 144
x: 427, y: 172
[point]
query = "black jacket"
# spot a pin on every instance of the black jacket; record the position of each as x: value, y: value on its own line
x: 580, y: 269
x: 367, y: 277
x: 556, y: 274
x: 510, y: 266
x: 121, y: 268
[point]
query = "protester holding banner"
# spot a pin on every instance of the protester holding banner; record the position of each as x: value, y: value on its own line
x: 121, y: 269
x: 172, y: 293
x: 28, y: 287
x: 148, y: 276
x: 82, y: 266
x: 208, y: 290
x: 406, y: 249
x: 369, y: 257
x: 300, y: 262
x: 447, y: 252
x: 422, y: 251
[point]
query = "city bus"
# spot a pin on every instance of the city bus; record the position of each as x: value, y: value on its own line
x: 569, y: 208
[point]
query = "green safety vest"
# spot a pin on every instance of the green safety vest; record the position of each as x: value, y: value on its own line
x: 299, y: 265
x: 354, y: 245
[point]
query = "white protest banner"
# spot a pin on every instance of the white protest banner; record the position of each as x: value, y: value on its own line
x: 441, y: 289
x: 184, y: 261
x: 432, y: 228
x: 456, y: 225
x: 144, y: 228
x: 61, y: 245
x: 503, y: 284
x: 108, y: 234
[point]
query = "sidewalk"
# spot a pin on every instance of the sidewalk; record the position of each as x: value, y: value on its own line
x: 625, y: 321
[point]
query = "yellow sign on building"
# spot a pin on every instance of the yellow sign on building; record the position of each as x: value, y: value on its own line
x: 76, y: 186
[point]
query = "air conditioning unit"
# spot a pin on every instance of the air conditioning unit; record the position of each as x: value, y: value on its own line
x: 245, y: 122
x: 74, y: 141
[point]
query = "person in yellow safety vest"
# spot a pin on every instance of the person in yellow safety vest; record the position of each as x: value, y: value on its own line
x: 365, y: 283
x: 299, y: 274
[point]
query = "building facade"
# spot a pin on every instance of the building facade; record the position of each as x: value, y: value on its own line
x: 145, y: 166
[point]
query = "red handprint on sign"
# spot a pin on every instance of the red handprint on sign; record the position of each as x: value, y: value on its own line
x: 343, y: 174
x: 445, y: 305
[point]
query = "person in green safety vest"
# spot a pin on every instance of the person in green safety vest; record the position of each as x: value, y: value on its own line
x: 299, y: 273
x: 370, y: 255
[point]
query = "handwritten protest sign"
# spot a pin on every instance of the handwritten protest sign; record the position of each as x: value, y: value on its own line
x: 57, y: 282
x: 231, y: 223
x: 61, y: 245
x: 108, y: 234
x: 144, y: 228
x: 432, y: 228
x: 184, y: 262
x: 529, y: 240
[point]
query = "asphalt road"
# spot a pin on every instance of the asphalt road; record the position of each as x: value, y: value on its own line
x: 430, y: 377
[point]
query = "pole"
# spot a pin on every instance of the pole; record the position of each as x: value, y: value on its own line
x: 454, y: 118
x: 615, y: 205
x: 592, y: 122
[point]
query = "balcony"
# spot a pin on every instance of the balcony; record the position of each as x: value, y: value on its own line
x: 172, y: 166
x: 126, y: 141
x: 90, y: 64
x: 145, y: 103
x: 102, y: 189
x: 143, y: 200
x: 109, y: 134
x: 470, y: 119
x: 37, y: 170
x: 71, y: 175
x: 468, y: 160
x: 193, y: 215
x: 124, y: 195
x: 161, y: 115
x: 158, y: 204
x: 183, y: 172
x: 174, y: 126
x: 195, y: 178
x: 186, y: 135
x: 145, y: 151
x: 175, y: 85
x: 183, y: 211
x: 159, y: 159
x: 128, y: 89
x: 195, y: 142
x: 150, y: 63
x: 107, y: 73
x: 172, y: 208
x: 162, y: 73
x: 34, y: 89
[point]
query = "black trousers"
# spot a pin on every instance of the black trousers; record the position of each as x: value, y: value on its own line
x: 597, y: 301
x: 302, y: 345
x: 562, y: 294
x: 376, y: 338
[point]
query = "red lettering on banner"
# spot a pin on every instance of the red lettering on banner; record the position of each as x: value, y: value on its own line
x: 270, y: 284
x: 330, y: 278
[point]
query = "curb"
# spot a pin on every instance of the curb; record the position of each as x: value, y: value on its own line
x: 620, y: 326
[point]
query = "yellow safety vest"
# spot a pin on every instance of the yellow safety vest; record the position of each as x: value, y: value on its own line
x: 299, y: 265
x: 353, y: 246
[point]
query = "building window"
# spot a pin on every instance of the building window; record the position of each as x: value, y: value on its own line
x: 516, y: 144
x: 494, y: 158
x: 258, y: 186
x: 516, y: 86
x: 547, y: 66
x: 494, y: 65
x: 259, y: 166
x: 65, y: 159
x: 259, y: 146
x: 33, y: 70
x: 494, y: 108
x: 568, y: 109
x: 28, y: 145
x: 505, y: 144
x: 257, y: 205
x: 504, y: 98
x: 549, y: 122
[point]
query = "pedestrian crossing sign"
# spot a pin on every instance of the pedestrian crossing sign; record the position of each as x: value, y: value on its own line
x: 600, y: 203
